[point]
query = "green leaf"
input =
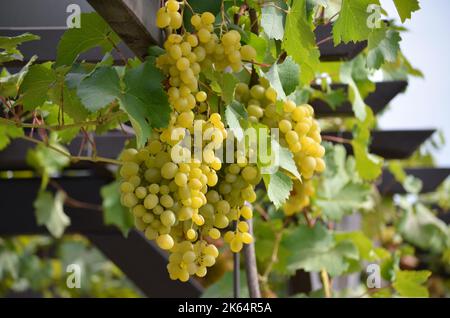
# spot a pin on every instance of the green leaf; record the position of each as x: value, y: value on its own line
x: 422, y: 228
x: 410, y: 283
x: 275, y: 82
x: 99, y: 89
x: 50, y: 212
x: 236, y: 117
x: 145, y: 100
x: 259, y: 43
x: 279, y: 187
x: 335, y: 203
x: 47, y: 161
x: 36, y: 84
x: 10, y: 83
x: 273, y: 19
x: 300, y: 42
x: 51, y: 113
x: 368, y: 165
x: 8, y: 132
x: 224, y: 85
x: 71, y: 103
x: 315, y: 249
x: 94, y: 32
x: 351, y: 24
x: 339, y: 191
x: 358, y: 104
x: 361, y: 241
x: 7, y: 42
x: 284, y: 158
x: 406, y: 7
x: 113, y: 211
x: 383, y: 46
x: 289, y: 72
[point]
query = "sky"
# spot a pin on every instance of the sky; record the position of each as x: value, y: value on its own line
x: 426, y: 103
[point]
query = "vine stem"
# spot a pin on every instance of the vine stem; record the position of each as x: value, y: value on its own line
x: 250, y: 266
x: 273, y: 258
x: 69, y: 201
x: 74, y: 159
x: 18, y: 123
x: 328, y: 38
x: 336, y: 139
x: 326, y: 283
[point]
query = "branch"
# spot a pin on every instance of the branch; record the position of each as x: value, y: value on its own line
x: 336, y: 139
x: 255, y: 29
x: 326, y: 283
x: 98, y: 121
x: 74, y: 159
x: 250, y: 266
x: 69, y: 201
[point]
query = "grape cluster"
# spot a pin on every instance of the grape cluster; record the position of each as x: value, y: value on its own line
x: 300, y: 197
x: 168, y: 16
x: 186, y: 55
x: 299, y: 132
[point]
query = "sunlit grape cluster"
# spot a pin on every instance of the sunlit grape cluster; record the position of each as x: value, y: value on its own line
x: 188, y: 54
x: 300, y: 197
x: 165, y: 186
x: 299, y: 132
x: 168, y: 16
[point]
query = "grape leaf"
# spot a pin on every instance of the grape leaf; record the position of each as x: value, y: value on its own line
x: 113, y: 211
x: 273, y: 19
x: 352, y: 23
x: 144, y: 100
x: 36, y: 84
x: 358, y: 104
x: 383, y: 46
x: 410, y: 283
x: 278, y: 186
x: 406, y: 7
x: 315, y: 249
x: 51, y: 113
x: 236, y: 117
x: 284, y: 158
x: 10, y: 83
x: 94, y: 32
x: 364, y: 244
x: 99, y: 89
x: 289, y: 72
x: 71, y: 102
x: 49, y: 211
x: 368, y: 165
x: 335, y: 203
x: 8, y: 132
x: 339, y: 191
x: 259, y: 43
x: 273, y: 77
x: 422, y: 228
x: 7, y: 42
x: 300, y: 42
x: 47, y: 161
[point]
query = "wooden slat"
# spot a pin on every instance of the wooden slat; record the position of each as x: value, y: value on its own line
x: 140, y: 260
x: 133, y: 21
x: 431, y: 179
x: 384, y: 93
x: 328, y: 52
x: 391, y: 144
